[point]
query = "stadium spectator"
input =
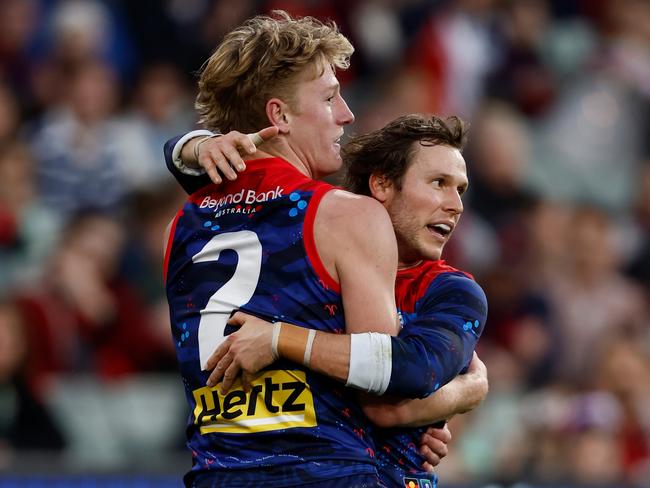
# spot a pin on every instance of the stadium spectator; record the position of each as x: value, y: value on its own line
x: 25, y: 424
x: 83, y: 316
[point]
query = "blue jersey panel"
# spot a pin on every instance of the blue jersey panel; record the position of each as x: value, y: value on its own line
x: 442, y: 319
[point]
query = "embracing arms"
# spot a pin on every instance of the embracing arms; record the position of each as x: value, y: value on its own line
x: 428, y: 353
x: 369, y: 303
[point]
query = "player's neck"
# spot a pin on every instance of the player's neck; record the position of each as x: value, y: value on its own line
x: 402, y: 265
x: 279, y: 149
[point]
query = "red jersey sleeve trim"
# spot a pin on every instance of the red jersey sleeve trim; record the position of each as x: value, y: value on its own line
x: 168, y: 247
x: 327, y: 280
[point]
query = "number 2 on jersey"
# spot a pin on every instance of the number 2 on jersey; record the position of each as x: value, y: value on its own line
x: 234, y: 293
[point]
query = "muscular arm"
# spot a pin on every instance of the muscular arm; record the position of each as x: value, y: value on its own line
x: 356, y: 242
x: 429, y: 352
x: 462, y: 394
x: 356, y: 245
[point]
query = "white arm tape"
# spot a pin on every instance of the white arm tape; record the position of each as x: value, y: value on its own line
x: 370, y: 362
x: 176, y: 152
x: 277, y: 327
x: 306, y: 360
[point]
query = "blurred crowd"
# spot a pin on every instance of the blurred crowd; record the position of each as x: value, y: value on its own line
x: 556, y: 226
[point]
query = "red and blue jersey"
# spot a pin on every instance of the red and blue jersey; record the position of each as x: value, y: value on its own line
x: 443, y: 312
x: 248, y: 244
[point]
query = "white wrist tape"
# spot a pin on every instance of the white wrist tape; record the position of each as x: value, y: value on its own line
x: 176, y: 152
x: 306, y: 361
x: 370, y: 362
x: 274, y: 340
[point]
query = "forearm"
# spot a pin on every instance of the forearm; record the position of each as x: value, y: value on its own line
x: 376, y: 363
x: 461, y: 395
x: 331, y: 355
x: 328, y: 354
x: 362, y: 361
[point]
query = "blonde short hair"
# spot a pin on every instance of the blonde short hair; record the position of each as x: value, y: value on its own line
x: 260, y: 60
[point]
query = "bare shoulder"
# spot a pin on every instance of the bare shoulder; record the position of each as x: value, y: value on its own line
x: 358, y: 223
x: 342, y: 207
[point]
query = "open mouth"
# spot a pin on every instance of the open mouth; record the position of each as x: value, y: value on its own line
x: 443, y: 230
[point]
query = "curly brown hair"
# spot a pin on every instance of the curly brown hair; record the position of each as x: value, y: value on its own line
x: 260, y: 60
x: 388, y: 151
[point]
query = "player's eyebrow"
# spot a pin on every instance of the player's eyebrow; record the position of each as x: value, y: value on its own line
x: 333, y: 88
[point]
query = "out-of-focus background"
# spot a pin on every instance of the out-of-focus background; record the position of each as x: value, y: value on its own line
x: 556, y: 225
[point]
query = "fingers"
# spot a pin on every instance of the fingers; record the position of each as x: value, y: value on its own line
x: 264, y: 135
x: 443, y: 433
x: 238, y: 319
x: 431, y: 458
x: 211, y: 170
x: 219, y: 361
x: 232, y: 160
x: 229, y: 377
x: 222, y: 156
x: 219, y: 158
x: 246, y: 380
x: 220, y: 369
x: 256, y: 139
x: 218, y: 354
x: 434, y: 446
x: 433, y: 451
x: 426, y: 466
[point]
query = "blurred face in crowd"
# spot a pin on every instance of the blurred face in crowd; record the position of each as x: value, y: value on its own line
x: 93, y: 93
x: 12, y: 342
x: 99, y: 241
x: 427, y: 208
x: 160, y: 92
x: 314, y: 123
x: 9, y: 114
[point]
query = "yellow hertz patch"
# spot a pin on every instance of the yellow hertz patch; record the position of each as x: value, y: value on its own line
x: 279, y: 399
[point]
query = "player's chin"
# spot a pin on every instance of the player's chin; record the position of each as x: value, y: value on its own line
x: 334, y: 161
x: 336, y: 152
x: 434, y: 254
x: 433, y: 250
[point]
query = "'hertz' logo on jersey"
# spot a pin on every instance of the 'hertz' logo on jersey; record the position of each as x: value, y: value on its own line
x: 277, y: 400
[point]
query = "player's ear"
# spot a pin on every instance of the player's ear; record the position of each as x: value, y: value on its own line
x: 381, y: 188
x: 276, y: 111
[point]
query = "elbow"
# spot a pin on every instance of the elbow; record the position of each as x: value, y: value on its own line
x: 481, y: 390
x: 168, y: 149
x: 484, y: 388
